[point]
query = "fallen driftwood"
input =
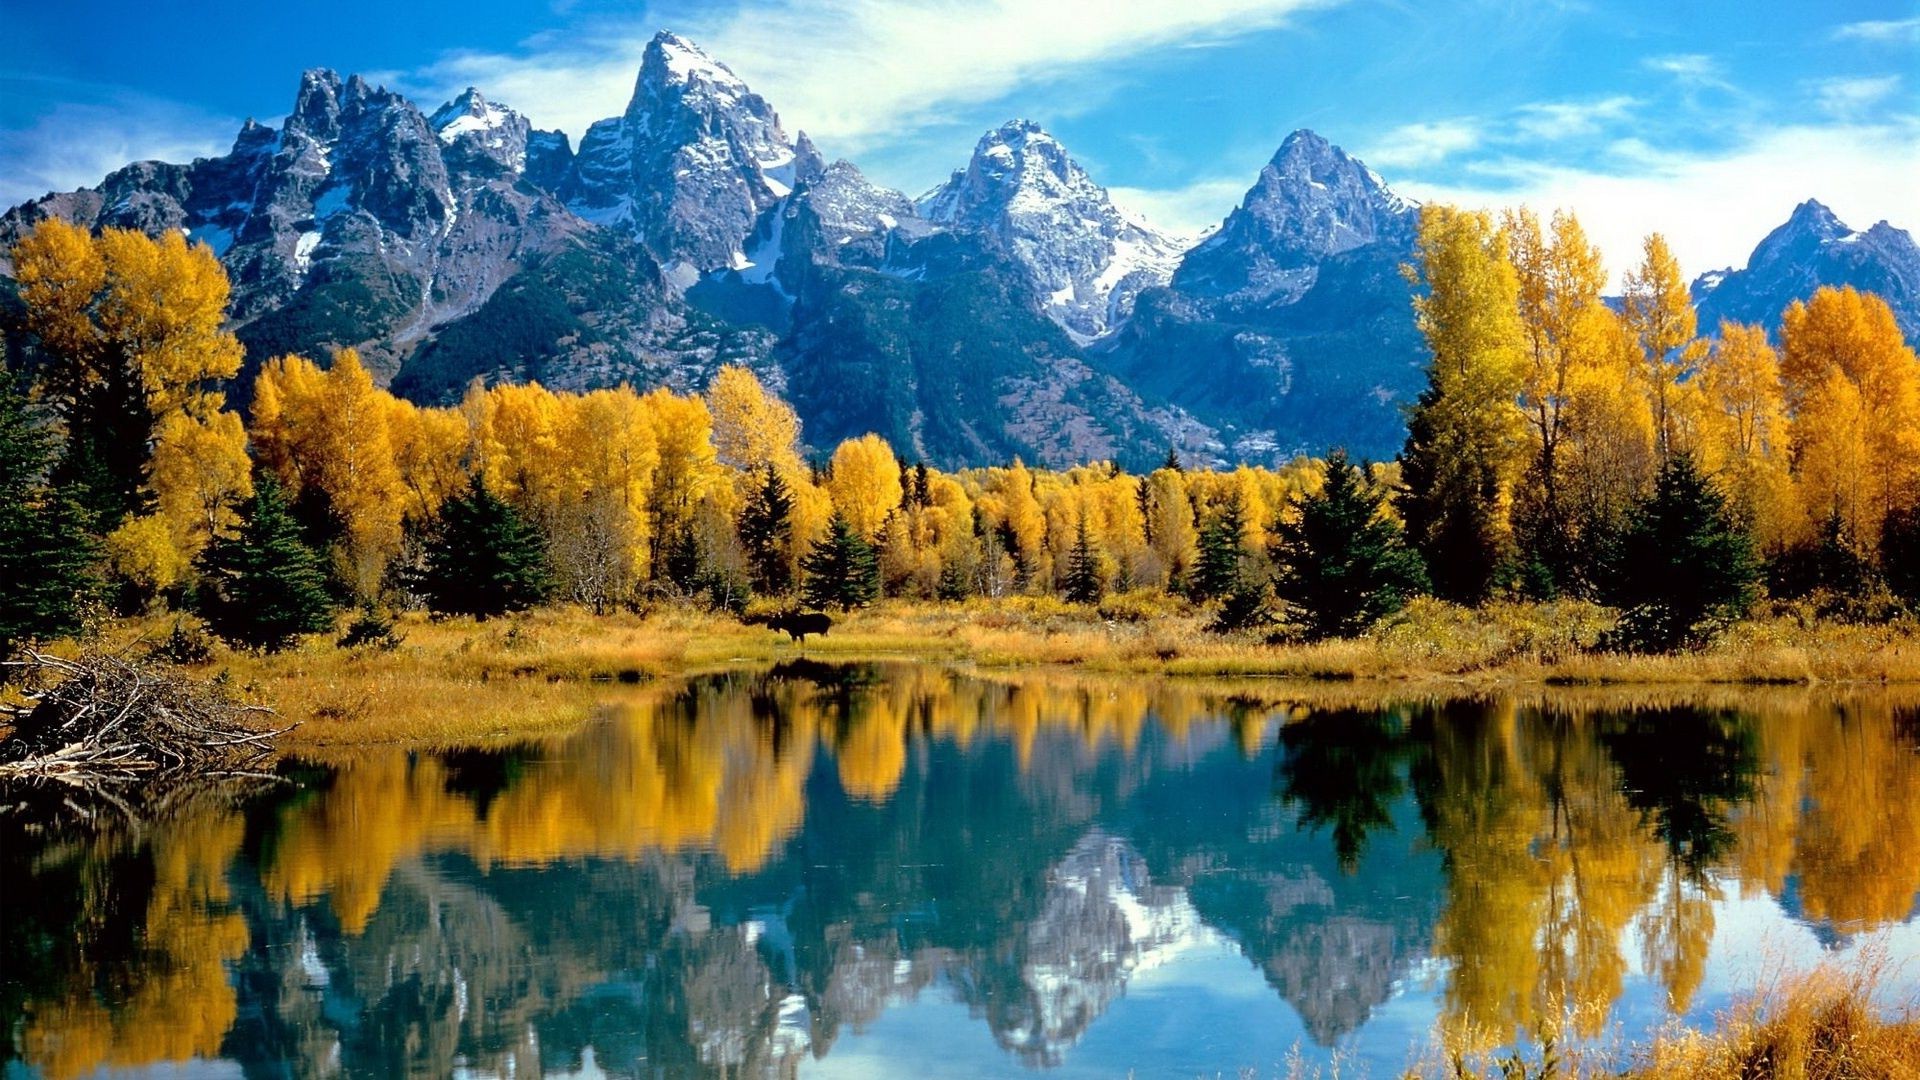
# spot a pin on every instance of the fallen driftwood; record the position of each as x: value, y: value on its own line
x: 104, y: 721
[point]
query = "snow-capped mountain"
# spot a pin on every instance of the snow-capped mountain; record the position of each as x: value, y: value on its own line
x: 359, y: 221
x: 1815, y: 248
x: 1311, y: 202
x: 689, y: 167
x: 1030, y: 200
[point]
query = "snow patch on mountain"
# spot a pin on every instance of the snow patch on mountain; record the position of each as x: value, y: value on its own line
x: 1026, y: 196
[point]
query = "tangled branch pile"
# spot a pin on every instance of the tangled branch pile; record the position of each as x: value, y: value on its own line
x: 107, y: 719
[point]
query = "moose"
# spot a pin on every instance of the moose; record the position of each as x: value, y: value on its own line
x: 796, y: 624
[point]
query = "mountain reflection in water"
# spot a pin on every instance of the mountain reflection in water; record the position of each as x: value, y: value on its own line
x: 765, y: 872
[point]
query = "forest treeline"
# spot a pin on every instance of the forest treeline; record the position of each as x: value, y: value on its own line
x: 1564, y: 447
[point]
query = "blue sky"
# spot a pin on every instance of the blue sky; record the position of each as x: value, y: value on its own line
x: 1706, y: 120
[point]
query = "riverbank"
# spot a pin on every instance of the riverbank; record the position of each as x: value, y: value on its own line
x: 456, y: 681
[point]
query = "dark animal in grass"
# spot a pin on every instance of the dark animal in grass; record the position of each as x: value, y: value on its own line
x: 797, y: 624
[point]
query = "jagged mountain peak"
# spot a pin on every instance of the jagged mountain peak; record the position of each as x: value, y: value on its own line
x: 1025, y: 196
x: 1312, y: 201
x: 1813, y: 247
x: 672, y: 58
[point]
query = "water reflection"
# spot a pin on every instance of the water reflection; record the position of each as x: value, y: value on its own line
x: 737, y: 873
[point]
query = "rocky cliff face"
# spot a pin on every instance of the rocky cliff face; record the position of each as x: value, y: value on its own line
x: 1815, y: 248
x: 1025, y: 197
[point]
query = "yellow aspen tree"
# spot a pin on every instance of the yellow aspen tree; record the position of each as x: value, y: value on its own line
x: 1609, y: 435
x: 1560, y: 278
x: 864, y: 480
x: 1844, y: 335
x: 430, y: 450
x: 1746, y: 429
x: 689, y: 470
x: 1659, y: 311
x: 133, y: 330
x: 751, y: 426
x: 600, y: 552
x: 1169, y: 527
x: 200, y: 470
x: 357, y: 469
x: 1466, y: 440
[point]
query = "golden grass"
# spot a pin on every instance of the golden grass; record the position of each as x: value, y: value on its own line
x: 457, y: 680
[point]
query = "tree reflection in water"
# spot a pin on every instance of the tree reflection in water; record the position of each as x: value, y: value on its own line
x: 730, y: 873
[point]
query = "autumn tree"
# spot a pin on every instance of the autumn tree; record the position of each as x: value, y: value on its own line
x: 1168, y: 521
x: 864, y: 480
x: 1343, y: 564
x: 132, y: 329
x: 1466, y: 436
x: 264, y: 585
x: 1852, y: 389
x: 1746, y: 443
x: 1658, y: 310
x: 327, y: 435
x: 1559, y: 279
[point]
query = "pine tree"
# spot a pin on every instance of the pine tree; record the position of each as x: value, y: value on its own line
x: 1083, y: 584
x: 1217, y: 570
x: 1343, y: 565
x: 1900, y: 553
x: 47, y: 554
x: 766, y: 526
x: 483, y: 558
x: 1684, y: 563
x: 841, y: 569
x: 1172, y: 461
x: 264, y: 586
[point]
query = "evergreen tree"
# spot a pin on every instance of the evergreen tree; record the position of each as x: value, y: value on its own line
x: 1900, y: 553
x: 1172, y: 461
x: 264, y: 586
x: 483, y: 558
x: 1683, y: 563
x: 841, y: 569
x: 766, y: 525
x: 1343, y: 565
x: 47, y: 554
x: 1217, y: 570
x: 1083, y: 584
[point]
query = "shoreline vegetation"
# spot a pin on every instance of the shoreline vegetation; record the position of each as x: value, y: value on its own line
x: 546, y: 669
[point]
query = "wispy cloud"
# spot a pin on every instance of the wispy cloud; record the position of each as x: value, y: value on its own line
x: 1188, y: 210
x: 76, y: 144
x: 869, y: 66
x: 1847, y: 97
x: 1412, y: 145
x: 1880, y: 30
x: 1690, y: 69
x: 1713, y: 206
x: 1573, y: 119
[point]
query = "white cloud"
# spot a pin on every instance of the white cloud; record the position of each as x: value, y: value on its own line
x: 1552, y: 120
x: 1413, y: 145
x: 1713, y: 207
x: 1896, y: 31
x: 1846, y: 97
x: 76, y: 145
x: 1189, y: 210
x: 1690, y: 69
x: 867, y: 66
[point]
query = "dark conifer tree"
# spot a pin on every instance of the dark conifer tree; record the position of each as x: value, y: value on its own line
x: 1450, y: 504
x: 841, y: 568
x: 1172, y: 461
x: 1900, y: 553
x: 263, y: 586
x: 1683, y: 564
x: 1082, y: 582
x: 1217, y: 569
x: 47, y: 553
x: 483, y: 559
x: 766, y: 525
x: 1342, y: 565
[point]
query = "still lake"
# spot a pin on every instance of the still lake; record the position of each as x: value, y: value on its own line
x: 905, y: 870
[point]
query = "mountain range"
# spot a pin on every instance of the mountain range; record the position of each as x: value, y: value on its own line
x: 1014, y: 310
